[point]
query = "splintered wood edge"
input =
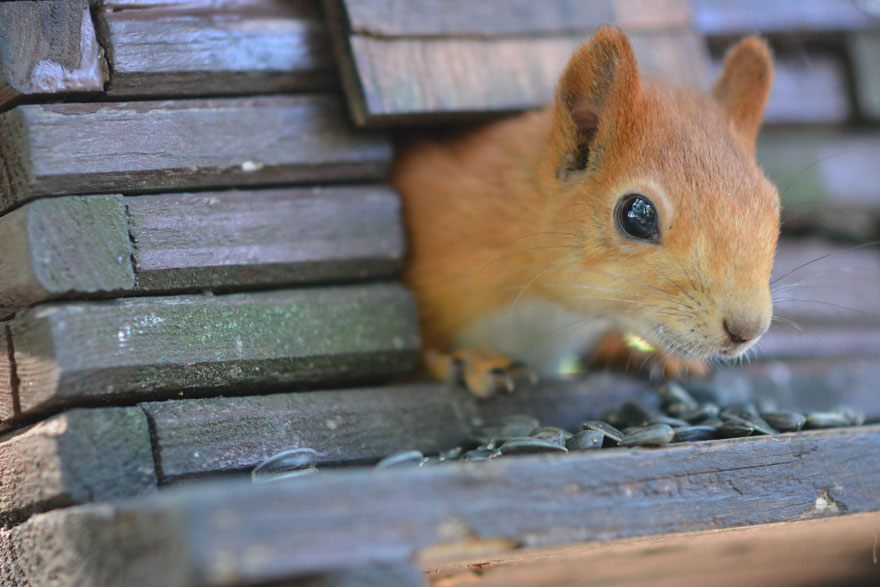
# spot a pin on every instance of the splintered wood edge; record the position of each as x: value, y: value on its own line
x: 360, y: 517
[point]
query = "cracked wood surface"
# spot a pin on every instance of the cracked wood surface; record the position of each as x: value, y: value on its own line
x: 104, y: 246
x: 136, y: 147
x: 199, y: 48
x: 359, y: 517
x: 47, y: 49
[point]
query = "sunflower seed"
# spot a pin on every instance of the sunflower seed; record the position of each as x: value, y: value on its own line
x: 706, y: 393
x: 673, y: 394
x: 855, y: 416
x: 450, y: 455
x: 693, y: 433
x: 409, y: 458
x: 526, y: 446
x: 746, y: 414
x: 826, y: 420
x: 701, y: 413
x: 785, y: 421
x: 637, y: 414
x: 610, y: 432
x: 734, y: 429
x: 551, y: 433
x: 669, y: 421
x: 654, y: 435
x: 478, y: 454
x: 585, y: 440
x: 285, y: 463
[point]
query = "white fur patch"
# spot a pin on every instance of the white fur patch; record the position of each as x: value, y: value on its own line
x: 538, y: 332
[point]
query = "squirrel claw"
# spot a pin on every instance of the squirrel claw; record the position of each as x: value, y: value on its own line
x: 480, y: 371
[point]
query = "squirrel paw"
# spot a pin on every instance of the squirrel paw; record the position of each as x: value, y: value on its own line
x: 614, y: 352
x: 479, y: 370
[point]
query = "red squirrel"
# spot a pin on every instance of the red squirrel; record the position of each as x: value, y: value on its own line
x: 626, y: 207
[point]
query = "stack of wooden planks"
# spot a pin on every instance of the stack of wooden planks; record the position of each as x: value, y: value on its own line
x: 198, y: 269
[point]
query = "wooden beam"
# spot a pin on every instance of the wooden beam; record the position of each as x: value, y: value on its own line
x: 198, y: 48
x: 185, y: 536
x: 146, y: 348
x: 832, y: 551
x: 102, y: 246
x: 720, y: 17
x: 490, y: 19
x: 864, y: 52
x: 64, y: 246
x: 77, y: 457
x: 245, y: 239
x: 60, y: 149
x: 48, y: 48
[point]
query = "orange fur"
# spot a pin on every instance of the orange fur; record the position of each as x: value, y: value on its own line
x: 500, y: 213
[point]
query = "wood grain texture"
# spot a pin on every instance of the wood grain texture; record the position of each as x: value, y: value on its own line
x: 409, y: 80
x: 135, y: 147
x: 246, y: 239
x: 64, y: 246
x: 864, y: 52
x: 197, y: 48
x: 8, y: 383
x: 720, y: 17
x: 361, y: 517
x: 820, y: 77
x: 80, y: 456
x: 831, y: 551
x: 488, y: 19
x: 79, y: 353
x: 48, y: 48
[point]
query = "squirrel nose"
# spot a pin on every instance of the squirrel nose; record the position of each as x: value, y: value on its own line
x: 742, y: 331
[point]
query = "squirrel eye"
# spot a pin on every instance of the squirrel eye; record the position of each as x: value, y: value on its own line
x: 636, y: 218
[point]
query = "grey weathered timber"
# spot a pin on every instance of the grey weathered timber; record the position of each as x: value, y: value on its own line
x: 199, y: 48
x: 820, y: 77
x: 101, y: 246
x: 237, y: 533
x: 245, y: 239
x: 64, y: 246
x: 146, y: 348
x: 8, y: 382
x: 48, y: 48
x: 133, y: 147
x: 721, y: 17
x: 488, y: 19
x: 864, y: 51
x: 195, y: 437
x: 77, y: 457
x: 391, y: 79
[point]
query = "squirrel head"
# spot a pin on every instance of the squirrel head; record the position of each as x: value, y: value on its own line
x: 675, y: 225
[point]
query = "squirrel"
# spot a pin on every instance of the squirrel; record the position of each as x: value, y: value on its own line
x: 626, y: 207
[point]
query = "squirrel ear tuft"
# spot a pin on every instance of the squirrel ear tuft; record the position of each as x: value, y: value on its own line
x: 601, y: 80
x: 744, y: 85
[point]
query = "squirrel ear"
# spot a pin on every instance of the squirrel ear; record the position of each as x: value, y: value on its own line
x: 744, y: 86
x: 600, y: 81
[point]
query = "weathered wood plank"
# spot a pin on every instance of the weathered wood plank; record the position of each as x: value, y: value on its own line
x: 831, y: 551
x: 864, y: 51
x: 153, y: 146
x: 241, y: 239
x: 64, y: 246
x: 398, y: 80
x: 48, y: 48
x: 77, y: 457
x: 351, y: 518
x: 198, y: 437
x: 821, y: 77
x: 721, y: 17
x: 487, y: 19
x: 8, y: 382
x: 199, y: 48
x: 73, y: 354
x: 82, y: 246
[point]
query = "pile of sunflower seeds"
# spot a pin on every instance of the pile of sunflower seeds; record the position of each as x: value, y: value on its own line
x: 683, y: 415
